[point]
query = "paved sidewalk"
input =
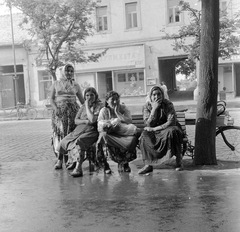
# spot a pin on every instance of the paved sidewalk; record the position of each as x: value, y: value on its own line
x: 37, y: 198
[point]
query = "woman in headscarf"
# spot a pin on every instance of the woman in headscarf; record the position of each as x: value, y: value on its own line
x: 85, y: 133
x: 162, y: 134
x: 63, y: 100
x: 117, y: 133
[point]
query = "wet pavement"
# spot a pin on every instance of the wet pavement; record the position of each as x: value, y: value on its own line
x: 36, y: 198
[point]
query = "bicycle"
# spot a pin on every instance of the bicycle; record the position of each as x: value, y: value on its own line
x: 20, y: 111
x: 227, y: 134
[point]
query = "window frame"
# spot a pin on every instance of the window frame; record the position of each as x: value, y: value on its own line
x: 102, y: 19
x: 138, y: 15
x: 41, y: 81
x: 139, y: 77
x: 174, y: 9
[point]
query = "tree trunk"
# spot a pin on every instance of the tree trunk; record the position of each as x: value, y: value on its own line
x: 205, y: 152
x: 53, y: 73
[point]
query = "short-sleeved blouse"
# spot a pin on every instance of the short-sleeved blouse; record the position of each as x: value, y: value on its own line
x: 105, y: 113
x: 65, y: 89
x: 82, y: 113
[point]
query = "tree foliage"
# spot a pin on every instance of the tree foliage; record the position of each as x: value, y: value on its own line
x: 228, y: 43
x: 60, y: 28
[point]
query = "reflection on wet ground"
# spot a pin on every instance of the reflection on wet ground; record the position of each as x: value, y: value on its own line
x: 34, y: 197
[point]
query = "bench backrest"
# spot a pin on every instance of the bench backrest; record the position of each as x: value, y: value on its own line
x: 138, y: 120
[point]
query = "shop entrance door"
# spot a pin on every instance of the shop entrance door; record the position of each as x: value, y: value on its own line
x: 7, y: 91
x: 105, y: 84
x: 237, y: 68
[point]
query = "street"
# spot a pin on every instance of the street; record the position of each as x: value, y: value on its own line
x: 37, y: 198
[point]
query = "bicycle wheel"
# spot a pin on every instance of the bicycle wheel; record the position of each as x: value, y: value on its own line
x: 47, y: 113
x: 31, y: 113
x: 228, y: 141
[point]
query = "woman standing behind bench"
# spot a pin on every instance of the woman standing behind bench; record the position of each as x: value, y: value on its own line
x: 162, y: 132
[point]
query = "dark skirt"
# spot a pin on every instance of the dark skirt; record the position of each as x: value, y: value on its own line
x: 120, y: 149
x: 81, y: 139
x: 155, y: 145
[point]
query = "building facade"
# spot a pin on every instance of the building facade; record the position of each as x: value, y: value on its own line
x: 137, y: 56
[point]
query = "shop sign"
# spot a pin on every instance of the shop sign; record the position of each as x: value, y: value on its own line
x: 132, y: 56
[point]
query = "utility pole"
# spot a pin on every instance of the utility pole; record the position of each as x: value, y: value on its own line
x: 15, y: 77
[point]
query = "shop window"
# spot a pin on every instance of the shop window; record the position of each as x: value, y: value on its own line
x: 227, y: 69
x: 130, y: 83
x: 102, y: 19
x: 223, y: 8
x: 122, y: 77
x: 10, y: 69
x: 45, y: 83
x: 131, y: 15
x: 132, y: 77
x: 173, y: 11
x: 141, y: 76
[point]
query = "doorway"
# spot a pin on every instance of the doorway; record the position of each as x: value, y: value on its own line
x: 105, y: 84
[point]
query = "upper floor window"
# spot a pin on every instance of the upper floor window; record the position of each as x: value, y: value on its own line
x: 223, y: 8
x: 131, y: 15
x: 173, y: 11
x: 102, y: 19
x: 45, y: 83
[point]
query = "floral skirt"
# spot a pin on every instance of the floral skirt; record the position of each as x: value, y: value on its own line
x: 63, y: 121
x: 120, y: 149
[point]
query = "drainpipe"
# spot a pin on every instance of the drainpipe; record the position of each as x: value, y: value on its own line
x: 29, y: 81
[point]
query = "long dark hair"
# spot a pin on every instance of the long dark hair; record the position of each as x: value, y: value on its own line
x: 93, y: 90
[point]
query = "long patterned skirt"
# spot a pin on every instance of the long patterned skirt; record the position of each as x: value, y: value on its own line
x: 63, y: 121
x: 120, y: 149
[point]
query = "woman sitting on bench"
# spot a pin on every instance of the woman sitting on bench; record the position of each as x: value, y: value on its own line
x: 117, y: 133
x: 84, y: 135
x: 162, y: 133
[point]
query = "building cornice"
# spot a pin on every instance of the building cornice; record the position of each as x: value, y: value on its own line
x: 122, y: 43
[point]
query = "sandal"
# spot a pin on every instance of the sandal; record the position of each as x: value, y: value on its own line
x: 58, y: 165
x: 71, y: 166
x: 107, y: 169
x: 146, y: 169
x: 76, y: 173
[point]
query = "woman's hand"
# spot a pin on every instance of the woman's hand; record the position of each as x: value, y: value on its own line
x: 115, y: 122
x: 116, y: 109
x: 147, y: 128
x: 87, y: 102
x: 156, y: 104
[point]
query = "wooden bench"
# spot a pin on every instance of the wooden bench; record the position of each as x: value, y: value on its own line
x: 137, y: 120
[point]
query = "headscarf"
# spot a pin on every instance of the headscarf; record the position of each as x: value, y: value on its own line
x: 63, y: 75
x: 153, y: 89
x: 109, y: 95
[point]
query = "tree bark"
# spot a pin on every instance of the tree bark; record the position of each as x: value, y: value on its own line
x: 205, y: 152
